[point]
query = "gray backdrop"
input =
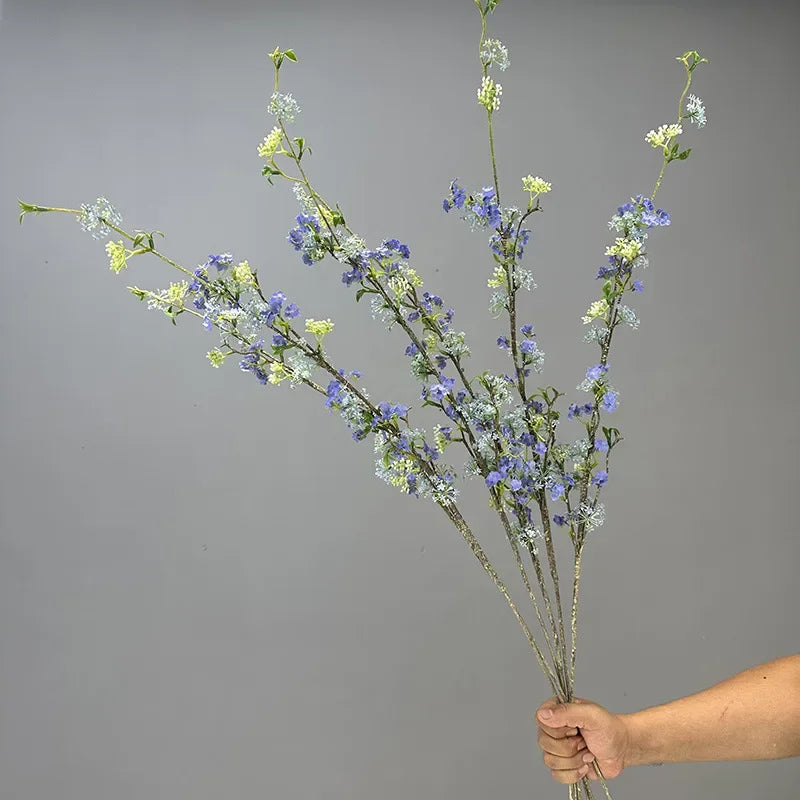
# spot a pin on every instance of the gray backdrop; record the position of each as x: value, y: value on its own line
x: 205, y: 592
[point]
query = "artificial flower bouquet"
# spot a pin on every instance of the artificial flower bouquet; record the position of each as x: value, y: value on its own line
x: 500, y: 428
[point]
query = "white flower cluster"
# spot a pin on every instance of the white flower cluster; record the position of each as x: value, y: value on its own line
x: 480, y: 408
x: 523, y: 279
x: 497, y: 387
x: 536, y: 359
x: 302, y: 368
x: 696, y: 110
x: 516, y: 420
x: 284, y: 107
x: 528, y: 536
x: 498, y: 302
x: 594, y: 516
x: 353, y: 246
x: 93, y: 218
x: 453, y: 344
x: 485, y: 444
x: 629, y: 317
x: 495, y: 52
x: 382, y: 312
x: 304, y: 198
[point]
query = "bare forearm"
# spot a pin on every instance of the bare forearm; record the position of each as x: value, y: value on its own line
x: 753, y: 715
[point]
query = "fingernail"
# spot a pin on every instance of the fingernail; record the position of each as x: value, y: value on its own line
x: 546, y: 713
x: 583, y: 770
x: 588, y: 758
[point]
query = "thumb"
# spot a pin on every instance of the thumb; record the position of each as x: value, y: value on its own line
x: 584, y: 715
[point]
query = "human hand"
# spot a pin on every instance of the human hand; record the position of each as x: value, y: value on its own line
x: 572, y: 735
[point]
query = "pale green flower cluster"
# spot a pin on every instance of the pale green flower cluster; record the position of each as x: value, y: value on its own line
x: 277, y: 373
x: 117, y: 255
x: 319, y: 327
x: 536, y: 185
x: 166, y: 300
x: 243, y: 274
x: 271, y: 143
x: 597, y: 309
x: 664, y: 133
x: 176, y: 293
x: 216, y: 357
x: 489, y: 94
x: 400, y: 284
x: 498, y: 278
x: 439, y: 438
x: 629, y: 249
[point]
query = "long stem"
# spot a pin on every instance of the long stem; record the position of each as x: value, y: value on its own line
x: 551, y: 558
x: 455, y: 516
x: 574, y: 617
x: 680, y: 117
x: 537, y: 566
x: 494, y: 160
x: 524, y: 574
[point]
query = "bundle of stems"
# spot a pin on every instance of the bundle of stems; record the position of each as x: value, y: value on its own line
x: 404, y: 452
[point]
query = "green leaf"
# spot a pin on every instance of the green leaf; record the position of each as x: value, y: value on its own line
x: 361, y: 292
x: 685, y: 154
x: 26, y: 208
x: 290, y: 55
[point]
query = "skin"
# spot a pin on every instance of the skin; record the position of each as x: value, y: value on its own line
x: 753, y: 715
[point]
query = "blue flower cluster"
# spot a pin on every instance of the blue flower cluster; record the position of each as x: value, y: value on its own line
x: 481, y: 208
x: 576, y: 411
x: 353, y: 411
x: 496, y: 243
x: 275, y: 309
x: 251, y: 362
x: 306, y: 238
x: 641, y: 212
x: 387, y: 412
x: 527, y: 346
x: 200, y: 284
x: 384, y: 259
x: 633, y: 220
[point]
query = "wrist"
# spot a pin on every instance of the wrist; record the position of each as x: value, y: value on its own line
x: 636, y: 750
